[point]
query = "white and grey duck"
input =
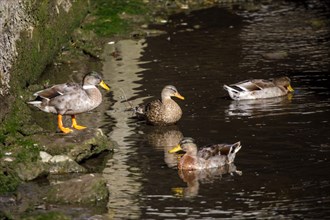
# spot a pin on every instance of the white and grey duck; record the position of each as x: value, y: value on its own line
x: 259, y: 88
x: 71, y: 99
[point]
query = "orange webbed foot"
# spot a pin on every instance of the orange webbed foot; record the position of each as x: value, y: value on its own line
x: 78, y: 127
x: 65, y: 130
x: 60, y: 125
x: 75, y: 125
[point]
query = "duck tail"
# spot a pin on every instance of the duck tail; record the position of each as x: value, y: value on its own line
x: 233, y: 150
x: 230, y: 89
x: 35, y: 103
x: 236, y: 147
x: 139, y: 111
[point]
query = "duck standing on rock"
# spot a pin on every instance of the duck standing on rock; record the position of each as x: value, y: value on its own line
x: 71, y: 99
x: 259, y: 88
x: 164, y: 111
x: 207, y: 157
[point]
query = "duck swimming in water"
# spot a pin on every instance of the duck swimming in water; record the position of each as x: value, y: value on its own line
x: 164, y: 111
x: 71, y: 99
x: 259, y: 88
x: 209, y: 156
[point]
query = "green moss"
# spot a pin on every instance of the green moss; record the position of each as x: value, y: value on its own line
x: 108, y: 16
x: 18, y: 150
x: 8, y: 182
x: 48, y: 216
x: 52, y: 28
x: 36, y: 49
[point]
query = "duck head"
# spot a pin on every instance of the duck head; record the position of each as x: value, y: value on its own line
x: 170, y: 91
x: 92, y: 79
x: 187, y: 144
x: 285, y: 82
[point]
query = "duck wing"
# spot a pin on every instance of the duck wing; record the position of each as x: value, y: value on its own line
x: 248, y: 85
x: 154, y: 105
x: 212, y: 150
x: 57, y: 90
x: 228, y: 150
x: 263, y: 83
x: 149, y: 111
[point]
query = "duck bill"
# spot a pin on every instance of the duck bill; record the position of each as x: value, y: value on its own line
x: 179, y: 96
x: 290, y: 88
x: 104, y: 85
x: 175, y: 149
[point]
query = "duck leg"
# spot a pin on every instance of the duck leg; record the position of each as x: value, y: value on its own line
x: 60, y: 125
x: 75, y: 125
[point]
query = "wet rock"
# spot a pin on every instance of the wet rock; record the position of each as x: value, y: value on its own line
x: 45, y: 157
x: 30, y: 170
x: 6, y: 202
x: 30, y: 129
x: 86, y: 189
x: 27, y: 197
x: 60, y: 164
x: 142, y: 33
x: 79, y: 145
x: 35, y: 200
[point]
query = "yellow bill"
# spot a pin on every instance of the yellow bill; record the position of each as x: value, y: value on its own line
x: 175, y: 149
x: 290, y: 88
x: 179, y: 96
x: 104, y: 85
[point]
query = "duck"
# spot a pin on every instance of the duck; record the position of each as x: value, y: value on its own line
x: 71, y: 99
x: 260, y: 88
x: 207, y: 157
x: 164, y: 111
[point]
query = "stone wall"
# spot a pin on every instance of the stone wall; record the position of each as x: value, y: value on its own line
x: 13, y: 19
x: 31, y: 34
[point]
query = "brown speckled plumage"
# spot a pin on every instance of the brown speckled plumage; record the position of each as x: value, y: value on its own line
x: 165, y: 111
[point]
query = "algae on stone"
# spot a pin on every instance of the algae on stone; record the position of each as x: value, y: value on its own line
x: 86, y: 189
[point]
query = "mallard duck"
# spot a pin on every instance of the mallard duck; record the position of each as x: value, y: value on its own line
x: 209, y: 156
x: 259, y: 88
x: 71, y: 99
x: 164, y: 111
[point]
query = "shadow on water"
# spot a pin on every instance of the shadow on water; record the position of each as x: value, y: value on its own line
x: 285, y: 140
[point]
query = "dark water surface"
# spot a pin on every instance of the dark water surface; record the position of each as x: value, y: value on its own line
x: 284, y: 161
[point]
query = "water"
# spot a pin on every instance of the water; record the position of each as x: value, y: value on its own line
x: 281, y: 170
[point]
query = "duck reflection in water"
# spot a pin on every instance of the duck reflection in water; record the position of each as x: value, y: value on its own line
x: 165, y: 138
x: 256, y: 107
x: 193, y: 178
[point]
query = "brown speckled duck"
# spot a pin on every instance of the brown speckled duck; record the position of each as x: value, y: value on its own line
x: 259, y: 88
x: 164, y: 111
x: 71, y: 99
x: 210, y: 156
